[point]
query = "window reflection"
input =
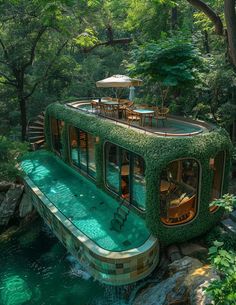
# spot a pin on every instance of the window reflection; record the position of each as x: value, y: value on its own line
x: 125, y: 174
x: 218, y: 169
x: 112, y: 167
x: 178, y: 191
x: 82, y: 150
x: 56, y: 131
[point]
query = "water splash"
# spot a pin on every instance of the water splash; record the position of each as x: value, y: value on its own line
x: 77, y: 269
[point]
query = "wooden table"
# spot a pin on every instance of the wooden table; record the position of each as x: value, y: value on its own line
x: 144, y: 113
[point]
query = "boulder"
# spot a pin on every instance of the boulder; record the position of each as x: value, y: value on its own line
x: 191, y: 249
x: 173, y: 253
x: 185, y: 285
x: 25, y: 206
x: 10, y: 202
x: 2, y: 196
x: 4, y: 186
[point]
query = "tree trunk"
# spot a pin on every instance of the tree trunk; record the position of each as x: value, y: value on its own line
x: 230, y: 19
x: 22, y: 103
x: 174, y: 18
x: 206, y: 42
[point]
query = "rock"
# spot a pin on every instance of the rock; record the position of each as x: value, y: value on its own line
x: 25, y: 206
x: 2, y: 196
x: 164, y: 293
x: 191, y: 249
x: 185, y: 285
x: 15, y: 291
x: 10, y: 202
x: 173, y: 253
x: 4, y: 186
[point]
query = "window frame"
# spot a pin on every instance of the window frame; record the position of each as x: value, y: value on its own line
x: 131, y: 167
x: 78, y: 167
x: 198, y: 193
x: 59, y: 133
x: 216, y: 208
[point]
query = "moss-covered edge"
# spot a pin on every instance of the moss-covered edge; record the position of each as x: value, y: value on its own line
x: 157, y: 153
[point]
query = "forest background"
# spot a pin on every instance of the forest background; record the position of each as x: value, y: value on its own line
x: 185, y: 51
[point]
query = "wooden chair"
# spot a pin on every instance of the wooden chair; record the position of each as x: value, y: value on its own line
x: 132, y: 116
x: 126, y: 104
x: 161, y: 113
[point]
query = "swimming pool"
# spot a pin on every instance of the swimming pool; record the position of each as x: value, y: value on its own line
x: 80, y: 214
x: 87, y: 207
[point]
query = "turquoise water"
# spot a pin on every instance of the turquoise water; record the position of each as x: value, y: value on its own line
x: 35, y: 269
x: 87, y: 207
x: 171, y: 126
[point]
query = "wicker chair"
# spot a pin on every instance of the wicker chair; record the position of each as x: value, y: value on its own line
x: 132, y: 116
x: 160, y: 114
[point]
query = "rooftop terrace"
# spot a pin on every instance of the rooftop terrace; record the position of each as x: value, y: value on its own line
x: 142, y: 118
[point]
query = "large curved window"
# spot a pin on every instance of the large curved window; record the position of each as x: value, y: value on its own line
x: 217, y: 165
x: 125, y: 174
x: 82, y: 150
x: 56, y: 133
x: 179, y: 191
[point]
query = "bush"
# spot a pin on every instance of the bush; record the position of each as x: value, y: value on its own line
x: 9, y: 153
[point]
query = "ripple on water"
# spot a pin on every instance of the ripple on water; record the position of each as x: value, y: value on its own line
x: 36, y: 270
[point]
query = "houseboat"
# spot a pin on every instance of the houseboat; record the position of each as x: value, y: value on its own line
x: 115, y: 182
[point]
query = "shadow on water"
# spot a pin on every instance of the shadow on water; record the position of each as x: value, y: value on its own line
x: 35, y: 269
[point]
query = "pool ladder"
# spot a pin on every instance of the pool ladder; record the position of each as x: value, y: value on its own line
x: 120, y: 216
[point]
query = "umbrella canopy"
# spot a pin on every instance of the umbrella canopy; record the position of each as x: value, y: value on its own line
x: 119, y: 81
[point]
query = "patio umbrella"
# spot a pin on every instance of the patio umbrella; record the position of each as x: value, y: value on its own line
x: 131, y: 93
x: 118, y: 81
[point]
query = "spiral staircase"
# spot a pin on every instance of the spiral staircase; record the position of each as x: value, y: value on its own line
x: 35, y: 131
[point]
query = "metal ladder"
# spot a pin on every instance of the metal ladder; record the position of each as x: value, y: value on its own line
x: 120, y: 216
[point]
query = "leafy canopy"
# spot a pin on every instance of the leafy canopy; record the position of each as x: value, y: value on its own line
x: 171, y: 62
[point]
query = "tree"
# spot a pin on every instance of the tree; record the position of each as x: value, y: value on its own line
x: 230, y: 19
x: 35, y: 35
x: 169, y: 62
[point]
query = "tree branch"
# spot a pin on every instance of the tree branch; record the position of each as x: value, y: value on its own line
x: 12, y: 81
x: 33, y: 48
x: 109, y: 43
x: 210, y: 13
x: 230, y: 19
x: 4, y: 50
x: 44, y: 77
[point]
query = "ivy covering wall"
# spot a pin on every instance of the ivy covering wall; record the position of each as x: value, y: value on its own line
x: 157, y: 153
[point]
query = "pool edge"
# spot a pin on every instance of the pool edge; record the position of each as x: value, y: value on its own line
x: 113, y: 268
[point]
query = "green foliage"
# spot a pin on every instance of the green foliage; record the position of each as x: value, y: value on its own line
x: 170, y: 61
x: 218, y: 233
x: 9, y: 153
x: 157, y: 153
x: 223, y: 291
x: 227, y: 202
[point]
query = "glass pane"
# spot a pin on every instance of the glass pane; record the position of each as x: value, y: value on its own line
x: 83, y: 150
x: 125, y: 174
x: 91, y: 155
x: 112, y: 167
x: 178, y: 191
x: 56, y: 127
x: 218, y: 169
x: 74, y: 146
x: 138, y: 182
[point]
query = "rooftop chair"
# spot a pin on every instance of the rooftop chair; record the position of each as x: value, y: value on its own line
x: 160, y: 114
x: 123, y: 105
x: 132, y: 116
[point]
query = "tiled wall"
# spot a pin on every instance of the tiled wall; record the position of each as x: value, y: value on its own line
x: 114, y: 268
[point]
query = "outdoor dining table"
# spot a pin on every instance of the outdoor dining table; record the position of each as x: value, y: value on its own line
x: 144, y: 113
